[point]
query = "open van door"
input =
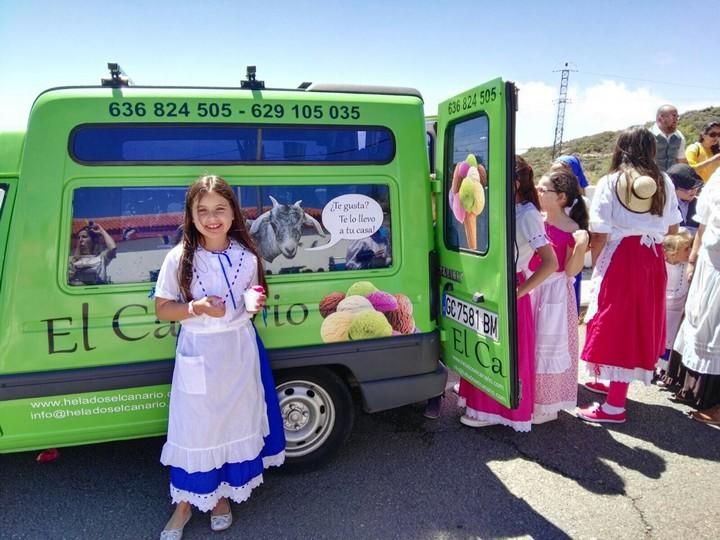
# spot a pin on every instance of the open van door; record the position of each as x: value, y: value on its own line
x: 475, y: 237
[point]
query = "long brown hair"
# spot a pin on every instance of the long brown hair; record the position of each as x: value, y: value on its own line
x: 524, y: 176
x: 634, y: 155
x: 191, y: 236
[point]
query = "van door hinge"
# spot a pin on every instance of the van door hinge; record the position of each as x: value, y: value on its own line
x: 435, y: 186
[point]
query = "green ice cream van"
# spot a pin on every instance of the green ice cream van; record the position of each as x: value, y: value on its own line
x: 374, y: 281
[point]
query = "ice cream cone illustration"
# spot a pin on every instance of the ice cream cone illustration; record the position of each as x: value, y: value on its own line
x: 467, y: 196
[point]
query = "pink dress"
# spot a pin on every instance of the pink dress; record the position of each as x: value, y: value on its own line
x: 530, y: 235
x: 556, y: 332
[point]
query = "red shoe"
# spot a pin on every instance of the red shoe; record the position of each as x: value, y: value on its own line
x: 597, y: 387
x: 594, y: 413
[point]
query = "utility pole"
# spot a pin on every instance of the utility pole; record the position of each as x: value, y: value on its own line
x: 562, y: 101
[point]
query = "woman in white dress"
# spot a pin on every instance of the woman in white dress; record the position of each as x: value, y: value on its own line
x: 225, y: 425
x: 698, y: 340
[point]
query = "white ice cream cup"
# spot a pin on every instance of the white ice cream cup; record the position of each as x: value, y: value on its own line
x: 251, y: 297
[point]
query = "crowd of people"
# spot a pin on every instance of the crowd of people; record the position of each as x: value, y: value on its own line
x: 653, y: 231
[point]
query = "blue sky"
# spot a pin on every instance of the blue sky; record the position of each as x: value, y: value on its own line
x: 631, y: 57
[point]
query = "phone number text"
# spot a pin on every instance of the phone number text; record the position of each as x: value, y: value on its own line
x: 171, y: 109
x: 472, y: 100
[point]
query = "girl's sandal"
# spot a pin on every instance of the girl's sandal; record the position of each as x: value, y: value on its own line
x: 175, y: 534
x: 221, y: 522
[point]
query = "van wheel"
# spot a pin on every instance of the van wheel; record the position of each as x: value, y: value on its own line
x: 318, y: 414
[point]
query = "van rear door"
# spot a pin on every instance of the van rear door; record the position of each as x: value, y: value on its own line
x: 475, y: 235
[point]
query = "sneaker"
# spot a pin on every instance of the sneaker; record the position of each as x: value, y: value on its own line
x: 474, y: 422
x: 543, y: 418
x: 597, y: 387
x: 595, y: 413
x: 432, y: 409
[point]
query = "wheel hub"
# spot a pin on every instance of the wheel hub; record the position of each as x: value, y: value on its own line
x: 296, y: 416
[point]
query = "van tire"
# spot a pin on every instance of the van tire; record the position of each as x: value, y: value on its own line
x: 318, y: 415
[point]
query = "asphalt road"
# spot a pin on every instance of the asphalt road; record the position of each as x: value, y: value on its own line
x: 402, y: 476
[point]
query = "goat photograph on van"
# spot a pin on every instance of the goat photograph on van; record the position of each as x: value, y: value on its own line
x: 278, y: 231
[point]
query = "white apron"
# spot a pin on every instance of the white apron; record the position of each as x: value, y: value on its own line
x: 217, y: 402
x: 550, y: 312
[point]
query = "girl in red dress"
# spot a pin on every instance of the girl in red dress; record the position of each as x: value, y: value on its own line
x: 634, y: 206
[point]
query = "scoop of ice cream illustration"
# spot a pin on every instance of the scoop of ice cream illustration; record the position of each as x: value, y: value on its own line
x: 329, y: 304
x: 354, y: 303
x: 383, y: 301
x: 362, y: 288
x: 365, y: 313
x: 402, y: 319
x: 368, y: 325
x: 336, y: 326
x: 471, y: 192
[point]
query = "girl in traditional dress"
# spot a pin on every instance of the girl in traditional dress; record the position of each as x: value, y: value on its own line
x: 572, y: 163
x: 225, y: 425
x: 480, y: 409
x: 698, y: 340
x: 633, y: 208
x: 677, y: 253
x: 554, y: 307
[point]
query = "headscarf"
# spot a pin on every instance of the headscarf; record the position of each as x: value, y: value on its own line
x: 574, y: 163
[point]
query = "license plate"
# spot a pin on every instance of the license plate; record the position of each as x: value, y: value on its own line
x: 481, y: 321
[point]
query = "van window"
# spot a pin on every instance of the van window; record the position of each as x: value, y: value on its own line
x: 166, y: 143
x: 430, y: 142
x: 466, y: 230
x: 122, y: 234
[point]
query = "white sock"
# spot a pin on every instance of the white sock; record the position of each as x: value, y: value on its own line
x: 612, y: 410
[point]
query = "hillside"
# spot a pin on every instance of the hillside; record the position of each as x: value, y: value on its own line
x: 595, y: 150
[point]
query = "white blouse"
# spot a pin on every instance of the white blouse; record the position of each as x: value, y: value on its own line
x: 212, y: 273
x: 529, y: 234
x: 608, y: 215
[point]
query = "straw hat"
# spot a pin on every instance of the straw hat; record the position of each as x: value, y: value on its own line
x: 635, y: 192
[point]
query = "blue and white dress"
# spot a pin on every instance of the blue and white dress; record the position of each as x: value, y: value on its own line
x: 225, y: 425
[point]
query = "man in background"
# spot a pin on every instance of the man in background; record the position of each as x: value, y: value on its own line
x: 669, y: 140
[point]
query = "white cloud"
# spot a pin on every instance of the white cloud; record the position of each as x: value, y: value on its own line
x: 607, y: 106
x: 15, y: 109
x: 535, y: 116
